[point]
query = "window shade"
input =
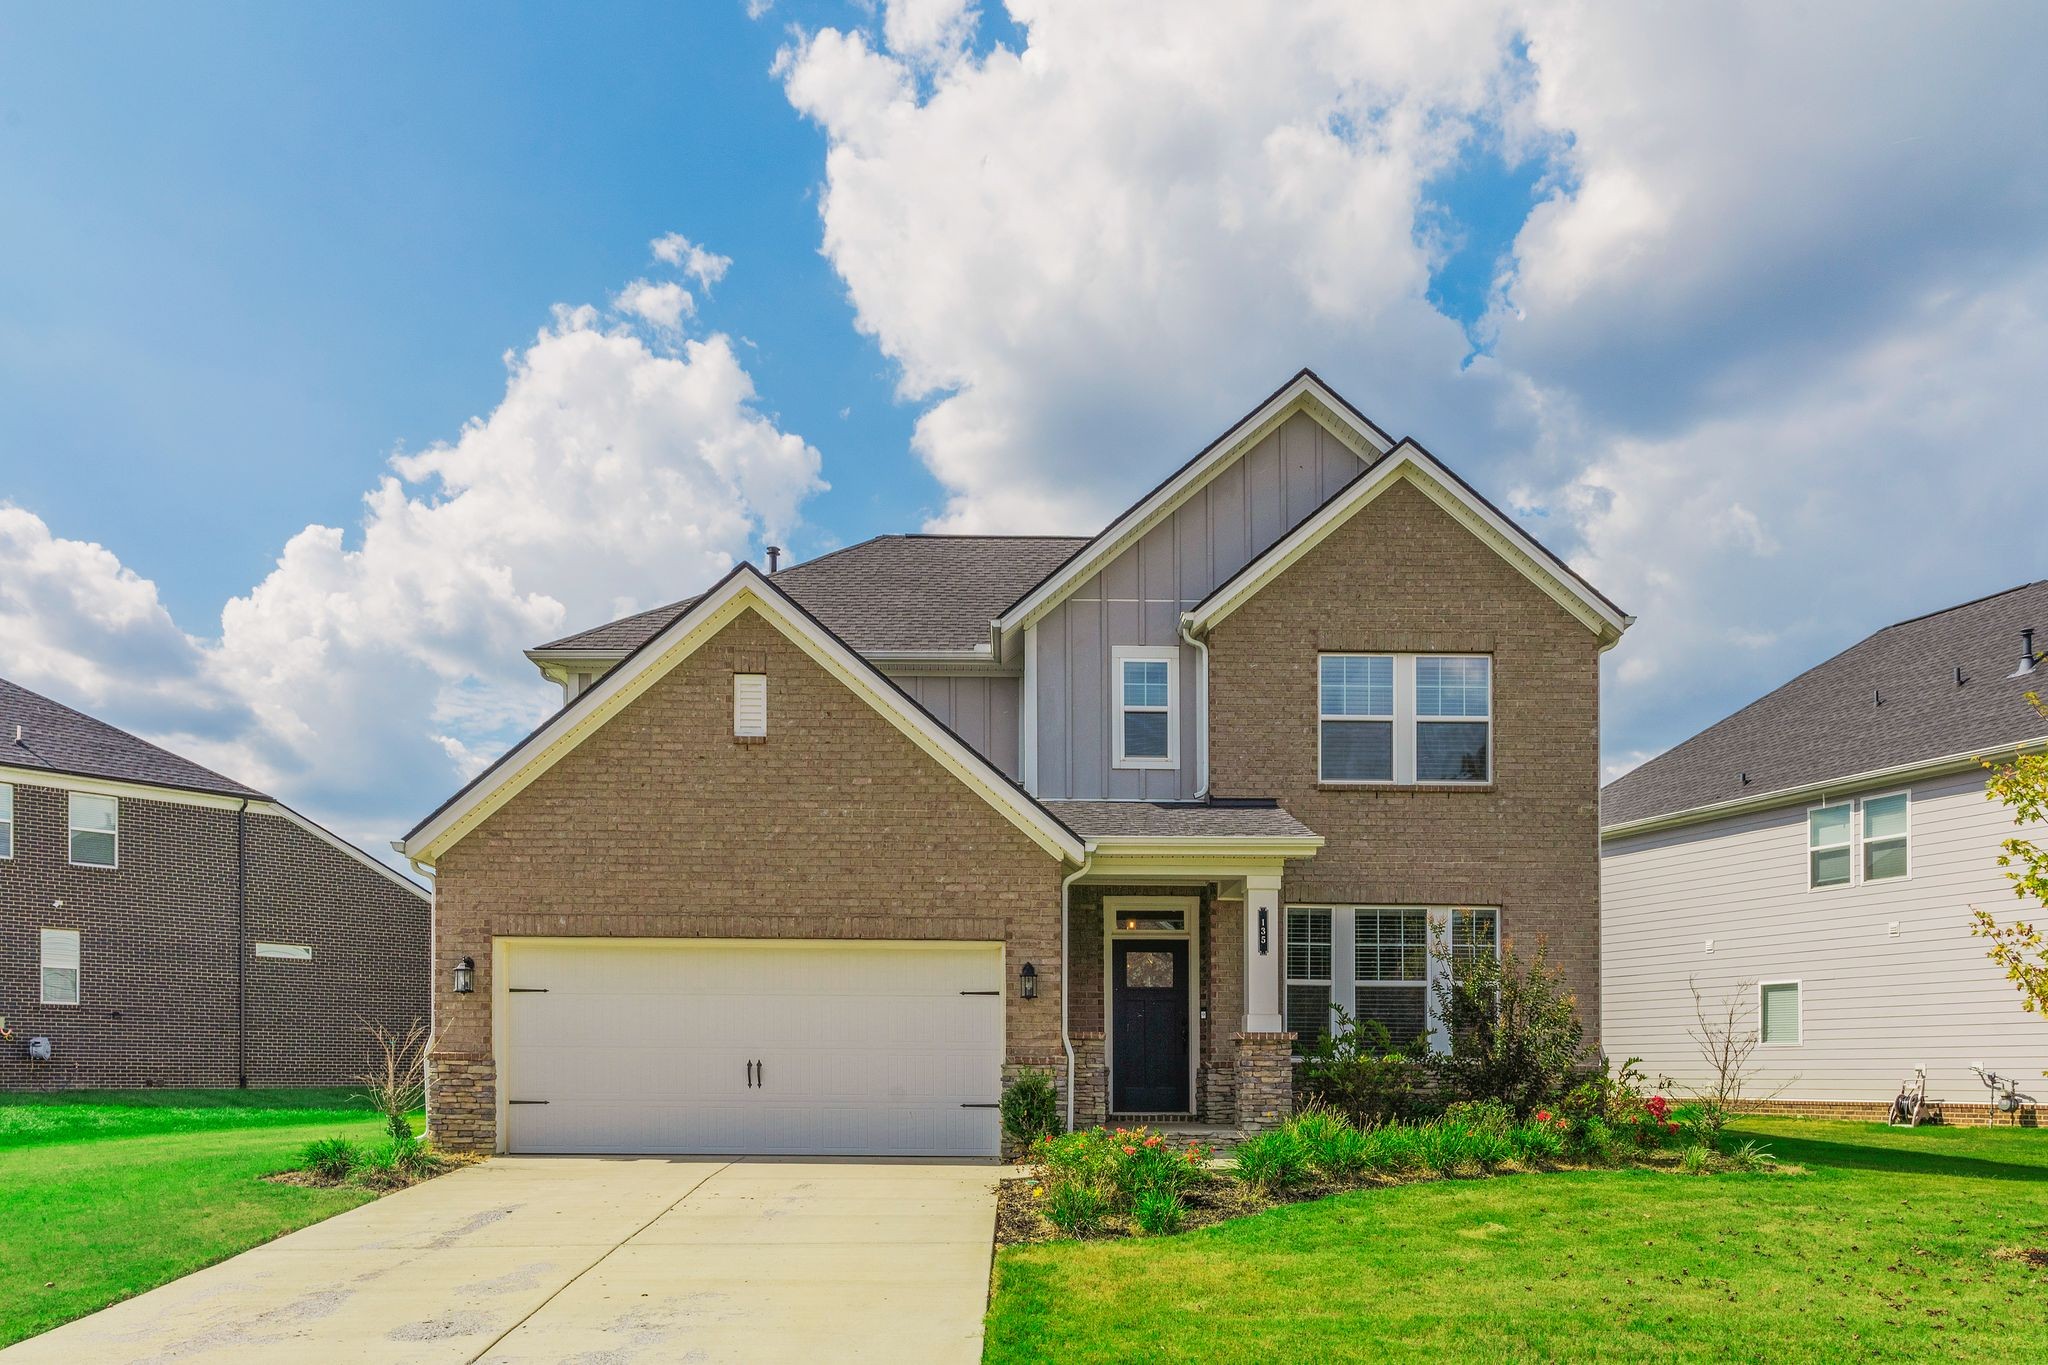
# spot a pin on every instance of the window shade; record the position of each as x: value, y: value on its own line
x: 1781, y: 1013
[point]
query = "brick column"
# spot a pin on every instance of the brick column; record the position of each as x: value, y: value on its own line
x: 1091, y: 1081
x: 1265, y: 1079
x: 462, y: 1102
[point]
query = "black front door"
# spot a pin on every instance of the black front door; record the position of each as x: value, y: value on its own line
x: 1150, y: 989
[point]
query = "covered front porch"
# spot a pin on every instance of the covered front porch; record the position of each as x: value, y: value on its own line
x: 1173, y: 931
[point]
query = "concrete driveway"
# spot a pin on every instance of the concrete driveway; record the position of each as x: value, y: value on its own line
x: 596, y: 1260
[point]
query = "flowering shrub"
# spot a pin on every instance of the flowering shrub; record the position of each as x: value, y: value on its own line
x: 1088, y: 1176
x: 1269, y: 1163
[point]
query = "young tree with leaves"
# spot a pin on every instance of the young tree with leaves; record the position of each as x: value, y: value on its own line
x: 2020, y: 949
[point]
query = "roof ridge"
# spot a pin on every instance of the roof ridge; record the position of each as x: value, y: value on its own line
x: 1943, y: 611
x: 229, y: 784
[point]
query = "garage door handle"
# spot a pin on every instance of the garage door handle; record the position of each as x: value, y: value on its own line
x: 750, y: 1075
x: 761, y: 1074
x: 526, y: 1101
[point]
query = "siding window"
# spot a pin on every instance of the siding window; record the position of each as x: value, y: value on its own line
x: 1829, y: 861
x: 749, y: 705
x: 95, y: 830
x: 1357, y: 718
x: 1391, y: 971
x: 285, y: 952
x: 1453, y: 718
x: 6, y: 821
x: 1145, y: 678
x: 1778, y: 1005
x: 60, y: 966
x: 1885, y: 837
x: 1309, y: 964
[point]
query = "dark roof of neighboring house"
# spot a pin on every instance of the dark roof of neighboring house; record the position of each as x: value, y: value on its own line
x: 60, y: 740
x: 899, y: 592
x: 1889, y: 701
x: 1178, y: 819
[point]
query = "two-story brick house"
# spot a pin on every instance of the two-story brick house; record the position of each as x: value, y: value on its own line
x: 812, y: 861
x: 163, y: 925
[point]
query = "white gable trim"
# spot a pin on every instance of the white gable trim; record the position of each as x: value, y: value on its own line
x: 1304, y: 393
x: 743, y: 590
x: 1412, y: 464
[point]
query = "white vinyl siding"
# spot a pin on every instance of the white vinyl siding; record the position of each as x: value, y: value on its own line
x: 749, y: 705
x: 1145, y: 683
x: 1891, y: 976
x: 1778, y: 1013
x: 95, y: 830
x: 6, y: 821
x: 59, y: 966
x: 1407, y: 719
x: 1376, y: 962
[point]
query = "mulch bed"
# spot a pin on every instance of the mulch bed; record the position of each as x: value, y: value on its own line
x: 1019, y: 1223
x: 382, y: 1181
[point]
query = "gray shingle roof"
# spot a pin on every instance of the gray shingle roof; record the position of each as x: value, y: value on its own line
x: 1177, y: 819
x: 906, y: 592
x: 1827, y: 723
x: 60, y: 740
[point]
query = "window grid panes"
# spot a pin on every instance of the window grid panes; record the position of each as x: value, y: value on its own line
x: 1390, y: 968
x: 1475, y: 934
x: 1405, y: 718
x: 1309, y: 963
x: 1144, y: 710
x: 1453, y: 718
x: 6, y: 821
x: 1827, y: 842
x: 1357, y: 717
x: 95, y: 830
x: 1885, y: 837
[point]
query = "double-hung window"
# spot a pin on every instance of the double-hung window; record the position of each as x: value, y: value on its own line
x: 1405, y: 718
x: 60, y: 966
x: 95, y: 830
x: 6, y: 821
x: 1377, y: 962
x: 1146, y: 683
x: 1839, y: 853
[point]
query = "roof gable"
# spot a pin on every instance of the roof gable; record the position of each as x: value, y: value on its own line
x: 743, y: 589
x: 1409, y: 463
x: 1304, y: 393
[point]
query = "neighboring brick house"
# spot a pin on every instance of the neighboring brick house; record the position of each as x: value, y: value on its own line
x: 162, y: 925
x: 1813, y: 860
x: 813, y: 861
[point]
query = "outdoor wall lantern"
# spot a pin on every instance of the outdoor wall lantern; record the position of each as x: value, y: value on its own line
x: 465, y: 976
x: 1027, y: 982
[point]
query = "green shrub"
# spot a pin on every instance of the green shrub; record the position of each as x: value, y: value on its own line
x: 1031, y: 1107
x: 1158, y: 1212
x: 1393, y: 1149
x: 412, y: 1158
x: 1481, y: 1116
x: 1696, y: 1160
x: 334, y: 1158
x: 1592, y: 1140
x: 1515, y: 1030
x: 1359, y: 1071
x: 1331, y: 1145
x: 1270, y: 1162
x: 1537, y: 1141
x: 1074, y: 1208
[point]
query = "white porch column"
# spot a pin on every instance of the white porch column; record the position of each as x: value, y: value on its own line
x: 1262, y: 964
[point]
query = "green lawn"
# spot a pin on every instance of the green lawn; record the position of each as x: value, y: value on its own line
x: 106, y: 1194
x: 1881, y: 1252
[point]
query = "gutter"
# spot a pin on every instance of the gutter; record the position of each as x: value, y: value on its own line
x: 1785, y: 796
x: 1066, y: 973
x: 1201, y: 708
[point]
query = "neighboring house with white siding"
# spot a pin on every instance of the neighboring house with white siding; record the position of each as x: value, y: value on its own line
x: 1816, y: 856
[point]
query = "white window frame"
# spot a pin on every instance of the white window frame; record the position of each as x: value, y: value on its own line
x: 1344, y: 982
x: 1798, y: 985
x: 1118, y: 657
x: 1848, y: 842
x: 7, y: 819
x: 1406, y: 721
x: 72, y: 828
x: 742, y: 726
x: 1288, y: 979
x: 76, y: 967
x: 1863, y: 840
x: 1425, y: 983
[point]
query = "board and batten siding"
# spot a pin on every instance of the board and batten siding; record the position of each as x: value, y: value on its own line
x: 1138, y: 597
x: 980, y: 708
x: 1876, y: 1000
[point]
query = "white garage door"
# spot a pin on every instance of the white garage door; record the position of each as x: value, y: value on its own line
x: 854, y: 1049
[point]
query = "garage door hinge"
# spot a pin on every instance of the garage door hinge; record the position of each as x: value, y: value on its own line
x: 964, y: 1106
x: 981, y: 992
x: 527, y: 990
x: 526, y: 1101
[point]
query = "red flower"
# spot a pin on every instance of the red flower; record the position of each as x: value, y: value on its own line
x: 1130, y: 1150
x: 1543, y: 1116
x: 1152, y: 1141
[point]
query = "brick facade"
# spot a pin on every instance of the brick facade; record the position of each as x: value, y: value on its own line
x: 1403, y: 577
x: 837, y: 826
x: 158, y: 954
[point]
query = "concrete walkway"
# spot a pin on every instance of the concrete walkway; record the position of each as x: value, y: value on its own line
x: 599, y: 1260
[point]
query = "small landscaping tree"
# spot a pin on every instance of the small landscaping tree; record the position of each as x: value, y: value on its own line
x: 1357, y: 1069
x: 396, y: 1083
x: 2020, y: 949
x: 1031, y: 1107
x: 1515, y: 1030
x: 1726, y: 1035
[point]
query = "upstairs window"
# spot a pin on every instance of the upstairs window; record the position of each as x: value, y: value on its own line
x: 1886, y: 837
x: 1405, y: 718
x: 1828, y: 858
x: 60, y: 966
x: 1357, y: 718
x: 749, y: 705
x: 1453, y: 718
x: 1145, y: 681
x: 6, y: 821
x: 95, y: 830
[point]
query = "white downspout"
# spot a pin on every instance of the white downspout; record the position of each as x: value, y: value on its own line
x: 1066, y: 971
x: 1201, y: 713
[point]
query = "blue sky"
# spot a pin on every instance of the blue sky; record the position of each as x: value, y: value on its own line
x: 1714, y: 305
